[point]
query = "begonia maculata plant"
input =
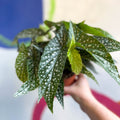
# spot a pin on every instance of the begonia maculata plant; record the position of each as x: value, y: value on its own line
x: 58, y: 50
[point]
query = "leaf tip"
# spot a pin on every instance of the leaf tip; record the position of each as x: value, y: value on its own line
x: 97, y: 82
x: 16, y: 94
x: 38, y: 100
x: 62, y: 105
x: 51, y: 110
x: 118, y: 81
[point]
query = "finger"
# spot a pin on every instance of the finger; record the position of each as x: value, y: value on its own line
x: 67, y: 90
x: 81, y: 76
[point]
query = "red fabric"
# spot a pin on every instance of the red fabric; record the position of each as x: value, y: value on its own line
x: 110, y: 104
x: 38, y: 109
x: 119, y: 102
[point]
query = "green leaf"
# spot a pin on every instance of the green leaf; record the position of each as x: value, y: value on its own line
x: 71, y: 33
x: 60, y: 92
x: 29, y: 85
x: 110, y: 44
x: 32, y: 71
x: 29, y: 33
x: 48, y: 34
x: 88, y: 73
x: 73, y: 55
x: 92, y: 30
x: 57, y: 24
x: 98, y: 51
x: 50, y: 23
x: 51, y: 67
x: 42, y: 39
x: 87, y: 58
x: 89, y: 65
x: 21, y: 63
x: 75, y: 61
x: 84, y: 54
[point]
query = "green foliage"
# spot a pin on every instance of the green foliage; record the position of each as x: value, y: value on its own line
x: 60, y: 92
x: 98, y: 51
x: 32, y: 81
x: 92, y: 30
x: 21, y: 63
x: 88, y: 73
x: 73, y: 55
x: 51, y: 67
x: 45, y: 64
x: 30, y: 33
x: 75, y: 61
x: 110, y: 44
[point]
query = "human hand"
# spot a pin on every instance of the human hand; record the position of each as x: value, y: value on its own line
x: 79, y: 89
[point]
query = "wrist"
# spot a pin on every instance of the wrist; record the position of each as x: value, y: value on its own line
x: 86, y: 97
x: 86, y: 100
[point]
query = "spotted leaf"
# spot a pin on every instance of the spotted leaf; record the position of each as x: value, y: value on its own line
x: 85, y: 55
x: 51, y: 66
x: 32, y: 71
x: 21, y: 63
x: 86, y: 59
x: 28, y: 33
x: 88, y: 73
x: 60, y: 92
x: 110, y: 44
x: 98, y: 51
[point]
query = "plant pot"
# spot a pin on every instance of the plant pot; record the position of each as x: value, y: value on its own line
x: 69, y: 81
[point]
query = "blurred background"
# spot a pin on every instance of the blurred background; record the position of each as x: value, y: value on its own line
x: 18, y: 15
x: 15, y: 15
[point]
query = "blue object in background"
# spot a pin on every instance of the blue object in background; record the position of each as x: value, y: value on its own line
x: 16, y: 15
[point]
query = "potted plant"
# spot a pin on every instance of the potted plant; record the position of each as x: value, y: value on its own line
x: 57, y: 51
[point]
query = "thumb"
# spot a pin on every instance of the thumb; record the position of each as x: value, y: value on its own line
x: 67, y: 90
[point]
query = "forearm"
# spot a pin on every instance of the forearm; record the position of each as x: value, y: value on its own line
x: 95, y: 110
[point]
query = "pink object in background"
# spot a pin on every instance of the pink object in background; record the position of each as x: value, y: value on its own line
x: 38, y: 109
x: 110, y: 104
